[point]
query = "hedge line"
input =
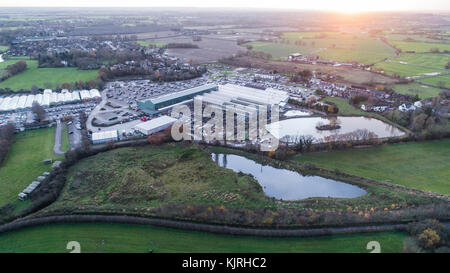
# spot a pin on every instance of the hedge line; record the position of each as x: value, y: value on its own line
x: 219, y: 229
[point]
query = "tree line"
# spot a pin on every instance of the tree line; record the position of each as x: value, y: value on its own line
x: 6, y: 139
x: 14, y: 69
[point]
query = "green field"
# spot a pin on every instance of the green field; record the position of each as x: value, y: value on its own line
x: 148, y: 43
x: 423, y: 165
x: 419, y: 47
x: 135, y: 238
x: 415, y: 37
x: 24, y: 161
x: 40, y: 76
x: 416, y: 88
x: 3, y: 48
x: 337, y: 47
x: 405, y: 70
x: 436, y: 81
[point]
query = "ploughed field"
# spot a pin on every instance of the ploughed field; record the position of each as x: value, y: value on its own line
x: 181, y: 181
x: 137, y: 238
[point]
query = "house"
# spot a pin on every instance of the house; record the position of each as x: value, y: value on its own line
x: 407, y: 106
x: 418, y: 104
x: 380, y: 107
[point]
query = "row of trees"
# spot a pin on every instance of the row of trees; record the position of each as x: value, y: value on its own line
x: 6, y: 139
x: 14, y: 69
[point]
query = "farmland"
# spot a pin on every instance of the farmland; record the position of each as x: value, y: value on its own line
x: 421, y: 90
x: 439, y: 81
x: 135, y: 238
x: 41, y: 76
x: 24, y: 161
x: 423, y: 165
x: 337, y: 47
x: 426, y: 68
x: 419, y: 47
x: 148, y: 43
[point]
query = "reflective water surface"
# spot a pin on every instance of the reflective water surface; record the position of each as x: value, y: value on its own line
x: 285, y: 184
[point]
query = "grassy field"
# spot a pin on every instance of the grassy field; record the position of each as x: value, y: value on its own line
x: 416, y: 88
x: 436, y: 81
x: 419, y: 47
x: 422, y: 165
x: 40, y: 76
x: 418, y: 38
x: 338, y: 47
x: 149, y: 176
x: 24, y: 161
x: 407, y: 70
x: 3, y: 48
x: 135, y: 238
x: 148, y: 43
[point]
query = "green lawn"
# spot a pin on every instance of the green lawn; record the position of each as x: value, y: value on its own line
x: 423, y: 165
x: 136, y: 238
x: 3, y: 48
x: 416, y: 88
x: 40, y: 76
x: 24, y: 162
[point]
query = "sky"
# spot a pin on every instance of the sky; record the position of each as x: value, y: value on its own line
x: 334, y: 5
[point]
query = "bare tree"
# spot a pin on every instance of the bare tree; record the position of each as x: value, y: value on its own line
x: 39, y: 111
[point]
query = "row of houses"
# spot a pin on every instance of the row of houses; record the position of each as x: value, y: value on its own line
x: 46, y: 99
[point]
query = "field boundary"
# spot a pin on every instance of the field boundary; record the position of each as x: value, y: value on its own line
x: 199, y: 227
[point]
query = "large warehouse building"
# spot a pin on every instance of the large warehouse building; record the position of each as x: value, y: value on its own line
x: 154, y: 104
x: 244, y: 99
x: 47, y: 99
x: 155, y: 125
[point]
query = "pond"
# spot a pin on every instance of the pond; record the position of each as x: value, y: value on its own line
x: 296, y: 113
x: 307, y: 126
x: 285, y: 184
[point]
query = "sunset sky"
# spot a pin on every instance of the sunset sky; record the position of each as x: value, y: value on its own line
x: 341, y: 6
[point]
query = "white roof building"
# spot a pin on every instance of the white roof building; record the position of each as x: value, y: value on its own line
x: 67, y: 97
x: 61, y: 98
x: 22, y: 102
x: 46, y: 99
x: 155, y: 125
x: 54, y: 98
x: 85, y: 95
x: 29, y: 103
x: 104, y: 136
x: 95, y: 94
x: 76, y: 96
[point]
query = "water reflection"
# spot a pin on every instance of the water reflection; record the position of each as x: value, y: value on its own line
x: 307, y: 126
x: 285, y: 184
